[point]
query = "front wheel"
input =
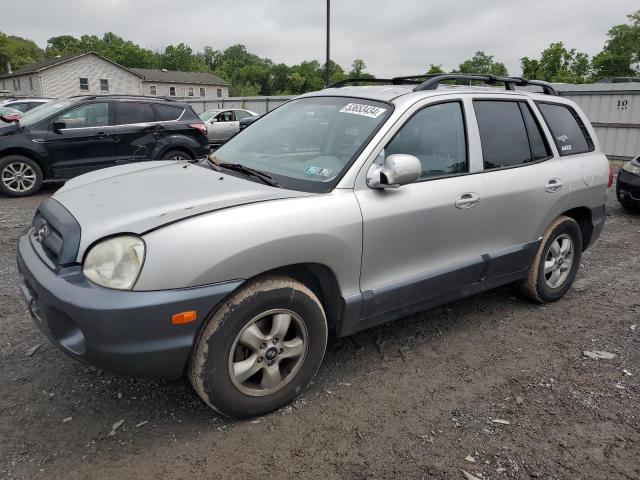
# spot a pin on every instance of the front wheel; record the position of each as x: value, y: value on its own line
x: 556, y: 263
x: 19, y: 176
x: 260, y: 348
x: 176, y: 155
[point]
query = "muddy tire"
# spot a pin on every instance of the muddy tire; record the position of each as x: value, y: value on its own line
x: 19, y: 176
x: 260, y: 348
x: 556, y: 262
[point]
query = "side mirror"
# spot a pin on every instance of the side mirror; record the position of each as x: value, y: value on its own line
x: 394, y: 171
x: 57, y: 126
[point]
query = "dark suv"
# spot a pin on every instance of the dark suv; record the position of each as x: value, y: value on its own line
x: 69, y: 137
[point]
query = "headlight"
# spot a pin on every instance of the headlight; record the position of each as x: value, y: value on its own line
x: 115, y: 262
x: 632, y: 167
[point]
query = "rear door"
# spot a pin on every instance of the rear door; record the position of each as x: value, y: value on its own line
x: 226, y: 125
x: 421, y: 240
x: 136, y: 131
x: 85, y: 143
x: 524, y: 183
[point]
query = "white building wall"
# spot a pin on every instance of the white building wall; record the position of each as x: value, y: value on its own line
x: 23, y: 85
x: 63, y: 80
x: 182, y: 90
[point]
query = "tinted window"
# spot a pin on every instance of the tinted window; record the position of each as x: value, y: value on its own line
x: 134, y: 112
x: 568, y: 131
x: 539, y: 147
x: 502, y: 133
x: 168, y: 112
x: 23, y: 107
x: 436, y: 135
x: 90, y: 115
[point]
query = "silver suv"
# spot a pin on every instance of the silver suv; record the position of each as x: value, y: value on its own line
x: 387, y: 200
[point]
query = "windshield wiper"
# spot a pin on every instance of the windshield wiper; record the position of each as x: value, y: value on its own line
x: 238, y: 167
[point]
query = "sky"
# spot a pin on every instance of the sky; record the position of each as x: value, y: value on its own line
x: 399, y: 37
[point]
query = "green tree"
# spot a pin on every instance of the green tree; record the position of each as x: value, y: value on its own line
x: 557, y: 64
x: 621, y: 51
x: 17, y: 51
x: 482, y: 63
x: 357, y: 68
x: 435, y: 69
x: 177, y: 57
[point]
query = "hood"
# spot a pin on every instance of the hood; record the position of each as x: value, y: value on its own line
x: 7, y: 128
x: 139, y: 197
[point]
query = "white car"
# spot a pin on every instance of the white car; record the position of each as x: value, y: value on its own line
x: 224, y: 124
x: 24, y: 104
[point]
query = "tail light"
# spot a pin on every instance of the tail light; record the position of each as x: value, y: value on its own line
x: 610, y: 176
x: 199, y: 126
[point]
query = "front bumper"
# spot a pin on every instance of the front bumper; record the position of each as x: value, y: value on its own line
x: 628, y: 187
x: 123, y: 332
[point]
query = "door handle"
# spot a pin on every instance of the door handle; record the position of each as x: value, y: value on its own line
x: 467, y: 200
x: 553, y: 185
x: 102, y: 135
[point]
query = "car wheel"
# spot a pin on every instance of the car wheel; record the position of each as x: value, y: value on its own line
x: 556, y: 263
x: 260, y: 348
x: 19, y: 176
x: 176, y: 155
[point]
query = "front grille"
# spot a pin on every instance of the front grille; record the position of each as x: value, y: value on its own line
x: 55, y: 234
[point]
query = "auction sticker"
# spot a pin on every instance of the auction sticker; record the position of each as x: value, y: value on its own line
x: 364, y: 110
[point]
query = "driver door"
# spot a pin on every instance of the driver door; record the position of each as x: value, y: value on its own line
x: 85, y: 143
x: 420, y: 240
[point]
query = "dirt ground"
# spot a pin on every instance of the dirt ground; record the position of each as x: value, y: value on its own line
x: 425, y: 397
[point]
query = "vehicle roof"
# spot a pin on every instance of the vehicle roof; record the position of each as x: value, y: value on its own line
x: 26, y: 99
x: 128, y: 98
x: 390, y: 93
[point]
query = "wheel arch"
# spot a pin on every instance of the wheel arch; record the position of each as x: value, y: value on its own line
x: 582, y: 216
x: 46, y: 173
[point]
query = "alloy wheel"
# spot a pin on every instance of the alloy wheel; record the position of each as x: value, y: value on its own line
x: 559, y: 261
x: 18, y: 177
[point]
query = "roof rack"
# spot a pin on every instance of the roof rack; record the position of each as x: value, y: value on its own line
x: 431, y: 82
x: 93, y: 97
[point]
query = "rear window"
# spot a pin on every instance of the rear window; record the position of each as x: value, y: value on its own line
x: 134, y: 112
x: 502, y: 133
x: 568, y: 130
x: 168, y: 112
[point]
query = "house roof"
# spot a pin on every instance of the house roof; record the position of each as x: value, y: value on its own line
x: 169, y: 76
x: 52, y: 62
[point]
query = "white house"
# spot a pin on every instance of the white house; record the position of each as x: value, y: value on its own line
x: 93, y: 74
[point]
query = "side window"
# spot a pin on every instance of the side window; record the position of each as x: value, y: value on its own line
x: 539, y: 147
x: 91, y: 115
x: 225, y: 116
x: 168, y: 112
x: 436, y: 135
x: 172, y: 91
x: 22, y: 107
x: 240, y: 114
x: 503, y: 134
x: 134, y: 112
x: 569, y: 133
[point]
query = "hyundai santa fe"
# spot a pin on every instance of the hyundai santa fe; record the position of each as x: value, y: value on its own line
x: 65, y: 138
x: 405, y: 194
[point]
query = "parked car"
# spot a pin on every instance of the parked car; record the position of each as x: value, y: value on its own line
x: 628, y: 184
x: 246, y: 121
x: 25, y: 104
x: 224, y: 124
x: 66, y: 138
x: 234, y: 270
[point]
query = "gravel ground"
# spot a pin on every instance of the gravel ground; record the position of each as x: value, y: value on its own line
x: 492, y: 385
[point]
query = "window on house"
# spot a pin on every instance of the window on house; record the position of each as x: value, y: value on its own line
x: 3, y: 85
x: 436, y: 135
x: 152, y: 90
x: 203, y: 92
x: 569, y: 133
x: 172, y: 91
x: 191, y: 91
x: 16, y: 84
x: 104, y: 85
x: 84, y: 84
x: 31, y: 83
x: 219, y: 93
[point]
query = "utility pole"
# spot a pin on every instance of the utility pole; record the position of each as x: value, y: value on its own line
x: 326, y: 65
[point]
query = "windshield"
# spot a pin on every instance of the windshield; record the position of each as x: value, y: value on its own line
x: 43, y: 111
x: 206, y: 116
x: 307, y: 144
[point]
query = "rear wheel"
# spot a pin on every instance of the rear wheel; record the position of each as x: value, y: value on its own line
x: 556, y: 263
x: 19, y: 176
x: 260, y: 348
x: 176, y: 155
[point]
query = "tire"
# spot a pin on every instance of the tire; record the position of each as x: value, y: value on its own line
x: 19, y: 176
x: 220, y: 349
x: 563, y: 233
x: 176, y: 155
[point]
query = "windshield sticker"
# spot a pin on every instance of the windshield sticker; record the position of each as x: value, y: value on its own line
x: 564, y: 139
x: 321, y: 172
x: 364, y: 110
